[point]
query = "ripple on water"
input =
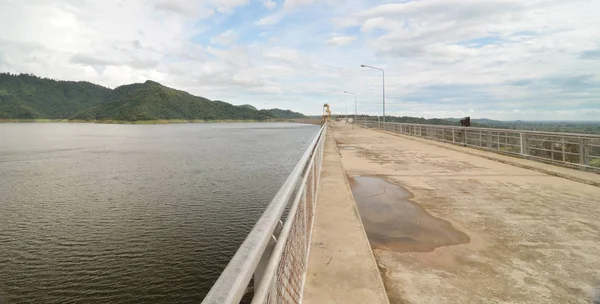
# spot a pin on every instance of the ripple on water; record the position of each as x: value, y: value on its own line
x: 132, y: 214
x: 394, y: 222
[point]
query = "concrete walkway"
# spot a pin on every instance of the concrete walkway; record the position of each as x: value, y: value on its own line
x: 341, y: 266
x: 534, y: 237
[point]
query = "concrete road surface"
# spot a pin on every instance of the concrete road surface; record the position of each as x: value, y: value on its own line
x: 341, y: 266
x: 530, y: 237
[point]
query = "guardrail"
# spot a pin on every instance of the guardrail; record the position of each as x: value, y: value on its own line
x: 275, y: 254
x: 568, y: 149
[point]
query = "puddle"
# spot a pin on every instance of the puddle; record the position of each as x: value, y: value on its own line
x: 394, y: 222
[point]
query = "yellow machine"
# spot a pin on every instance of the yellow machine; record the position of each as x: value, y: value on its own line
x: 326, y: 113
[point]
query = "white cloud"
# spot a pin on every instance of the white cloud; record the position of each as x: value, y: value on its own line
x: 228, y: 6
x: 183, y: 7
x: 441, y: 57
x: 270, y: 4
x: 293, y: 4
x: 271, y: 19
x: 226, y: 38
x: 289, y: 6
x: 340, y: 40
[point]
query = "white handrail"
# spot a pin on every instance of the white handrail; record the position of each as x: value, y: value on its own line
x: 234, y: 280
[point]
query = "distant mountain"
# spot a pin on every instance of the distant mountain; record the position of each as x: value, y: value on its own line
x: 247, y: 106
x: 31, y: 97
x: 27, y: 96
x: 152, y: 101
x: 284, y: 113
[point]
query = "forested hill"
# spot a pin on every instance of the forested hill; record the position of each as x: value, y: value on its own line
x: 284, y: 113
x: 27, y: 96
x: 152, y: 101
x: 31, y: 97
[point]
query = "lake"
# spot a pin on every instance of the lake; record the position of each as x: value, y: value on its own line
x: 93, y: 213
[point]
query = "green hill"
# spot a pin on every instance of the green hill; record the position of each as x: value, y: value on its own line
x: 153, y: 101
x: 31, y: 97
x: 28, y: 97
x: 283, y: 113
x: 247, y: 106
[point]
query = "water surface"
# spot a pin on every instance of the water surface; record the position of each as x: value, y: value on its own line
x: 95, y: 213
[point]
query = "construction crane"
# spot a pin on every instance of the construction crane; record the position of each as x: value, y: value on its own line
x: 326, y: 113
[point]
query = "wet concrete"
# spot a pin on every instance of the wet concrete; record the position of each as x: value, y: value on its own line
x: 596, y: 296
x: 341, y: 264
x: 394, y: 222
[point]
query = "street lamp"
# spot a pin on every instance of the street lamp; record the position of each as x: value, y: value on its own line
x: 382, y: 71
x: 346, y: 92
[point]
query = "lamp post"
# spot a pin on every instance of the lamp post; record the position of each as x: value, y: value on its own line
x: 346, y: 92
x: 383, y: 90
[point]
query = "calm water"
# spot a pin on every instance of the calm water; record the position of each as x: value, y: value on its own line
x: 131, y: 213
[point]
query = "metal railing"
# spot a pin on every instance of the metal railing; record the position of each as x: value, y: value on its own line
x: 568, y: 149
x: 275, y: 254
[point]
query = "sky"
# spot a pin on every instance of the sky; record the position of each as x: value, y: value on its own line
x: 497, y: 59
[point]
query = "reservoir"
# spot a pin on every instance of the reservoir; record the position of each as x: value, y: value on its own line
x: 93, y: 213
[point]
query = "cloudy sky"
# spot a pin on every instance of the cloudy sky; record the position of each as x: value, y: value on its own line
x: 500, y: 59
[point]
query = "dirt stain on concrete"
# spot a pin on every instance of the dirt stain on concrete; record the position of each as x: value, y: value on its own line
x: 394, y: 222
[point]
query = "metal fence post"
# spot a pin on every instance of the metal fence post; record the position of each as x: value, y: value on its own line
x: 583, y: 159
x: 378, y: 123
x: 523, y: 143
x: 453, y: 137
x: 564, y: 156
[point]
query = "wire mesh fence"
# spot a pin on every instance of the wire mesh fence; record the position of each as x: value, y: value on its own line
x: 275, y: 256
x: 574, y: 150
x: 286, y: 285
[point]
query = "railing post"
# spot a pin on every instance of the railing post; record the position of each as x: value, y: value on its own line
x: 523, y: 143
x: 498, y: 141
x: 582, y: 152
x: 564, y: 157
x: 453, y: 137
x: 489, y: 139
x: 378, y: 123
